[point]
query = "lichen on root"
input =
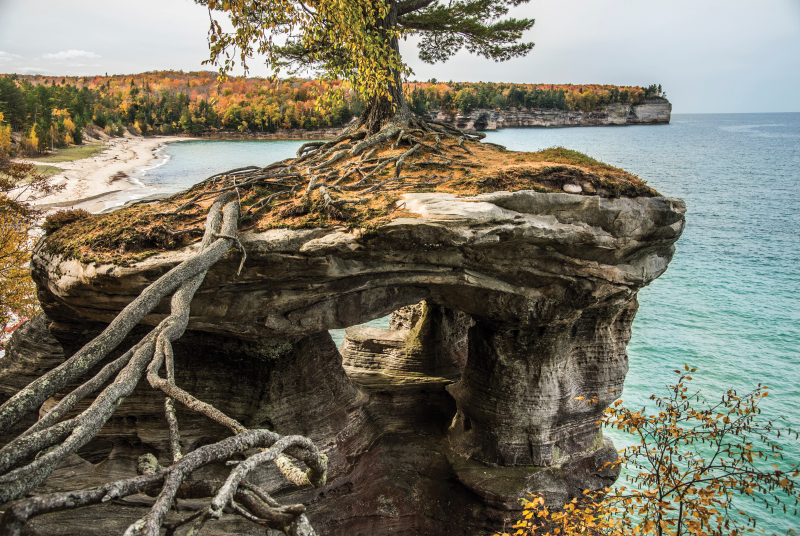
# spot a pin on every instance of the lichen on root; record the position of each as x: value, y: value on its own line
x: 31, y: 457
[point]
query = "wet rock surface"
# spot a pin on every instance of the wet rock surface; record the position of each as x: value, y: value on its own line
x: 507, y: 307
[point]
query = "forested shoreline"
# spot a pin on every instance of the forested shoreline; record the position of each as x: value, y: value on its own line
x: 47, y: 112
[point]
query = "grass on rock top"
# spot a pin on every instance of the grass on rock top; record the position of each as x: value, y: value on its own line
x: 47, y: 171
x: 133, y: 233
x: 68, y: 154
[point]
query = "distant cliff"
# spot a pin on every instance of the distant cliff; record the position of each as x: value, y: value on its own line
x: 653, y: 111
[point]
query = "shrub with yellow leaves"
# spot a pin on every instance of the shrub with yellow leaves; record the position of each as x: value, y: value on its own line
x: 5, y: 138
x: 693, y: 467
x: 17, y: 291
x: 19, y: 185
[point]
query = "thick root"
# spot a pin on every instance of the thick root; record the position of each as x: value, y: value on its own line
x: 55, y: 441
x: 335, y: 179
x: 173, y: 485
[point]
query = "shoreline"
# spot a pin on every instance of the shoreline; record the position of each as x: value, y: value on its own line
x: 109, y: 178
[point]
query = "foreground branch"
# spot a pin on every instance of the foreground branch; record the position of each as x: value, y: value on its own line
x: 353, y: 162
x: 20, y: 512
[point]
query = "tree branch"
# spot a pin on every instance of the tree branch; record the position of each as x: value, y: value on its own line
x: 409, y: 6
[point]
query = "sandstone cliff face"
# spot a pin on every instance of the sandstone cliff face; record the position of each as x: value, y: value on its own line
x: 436, y: 426
x: 653, y: 111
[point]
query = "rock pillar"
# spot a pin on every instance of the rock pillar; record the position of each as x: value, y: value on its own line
x: 517, y: 397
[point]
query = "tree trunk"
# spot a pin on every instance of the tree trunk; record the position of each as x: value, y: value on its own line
x: 379, y: 111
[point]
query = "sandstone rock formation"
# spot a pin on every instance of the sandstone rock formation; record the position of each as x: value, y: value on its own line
x: 653, y: 111
x: 507, y: 306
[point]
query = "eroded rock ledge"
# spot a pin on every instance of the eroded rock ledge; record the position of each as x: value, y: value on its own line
x: 653, y: 111
x: 436, y: 426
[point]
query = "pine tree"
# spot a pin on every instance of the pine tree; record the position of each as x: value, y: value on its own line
x: 358, y: 40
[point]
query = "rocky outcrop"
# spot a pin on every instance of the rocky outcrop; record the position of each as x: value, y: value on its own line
x: 436, y: 426
x: 512, y: 257
x: 653, y: 111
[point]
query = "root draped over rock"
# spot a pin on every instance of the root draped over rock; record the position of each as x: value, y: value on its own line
x: 353, y: 178
x: 54, y: 441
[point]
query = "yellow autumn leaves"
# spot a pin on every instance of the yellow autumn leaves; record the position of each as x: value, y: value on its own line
x: 369, y: 60
x: 17, y: 220
x: 17, y: 291
x: 348, y: 39
x: 5, y: 138
x: 695, y: 461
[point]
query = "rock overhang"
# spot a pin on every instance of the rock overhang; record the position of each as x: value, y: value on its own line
x: 511, y: 256
x: 528, y: 302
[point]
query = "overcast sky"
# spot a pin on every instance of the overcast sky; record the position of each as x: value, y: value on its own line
x: 711, y: 56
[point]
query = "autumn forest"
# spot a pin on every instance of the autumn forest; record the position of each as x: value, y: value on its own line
x: 53, y: 111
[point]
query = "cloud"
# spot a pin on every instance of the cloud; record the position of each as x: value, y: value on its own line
x: 7, y: 56
x: 33, y: 70
x: 70, y: 55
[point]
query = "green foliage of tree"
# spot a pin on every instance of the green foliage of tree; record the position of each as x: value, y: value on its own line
x: 654, y: 90
x: 358, y: 40
x: 465, y: 97
x: 52, y: 115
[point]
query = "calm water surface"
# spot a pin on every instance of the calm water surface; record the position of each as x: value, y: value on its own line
x: 729, y: 303
x: 185, y: 163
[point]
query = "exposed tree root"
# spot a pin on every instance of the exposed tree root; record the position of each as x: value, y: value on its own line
x: 173, y: 485
x: 52, y: 441
x: 324, y: 173
x: 356, y: 175
x: 352, y: 162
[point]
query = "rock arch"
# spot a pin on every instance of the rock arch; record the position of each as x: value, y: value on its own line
x: 506, y: 307
x: 481, y: 122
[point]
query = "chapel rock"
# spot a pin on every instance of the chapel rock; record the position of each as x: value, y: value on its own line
x: 505, y: 308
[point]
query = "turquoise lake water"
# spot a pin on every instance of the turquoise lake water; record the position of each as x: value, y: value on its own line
x: 729, y: 303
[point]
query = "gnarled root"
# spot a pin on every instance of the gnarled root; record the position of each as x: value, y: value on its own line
x: 355, y: 161
x: 173, y: 484
x: 347, y: 171
x: 54, y: 440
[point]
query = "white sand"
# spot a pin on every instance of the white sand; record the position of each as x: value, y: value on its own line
x: 88, y: 181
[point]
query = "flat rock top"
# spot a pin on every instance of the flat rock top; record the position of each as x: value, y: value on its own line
x: 294, y: 195
x: 505, y: 254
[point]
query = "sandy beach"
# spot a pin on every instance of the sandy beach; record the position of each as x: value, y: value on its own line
x: 106, y: 179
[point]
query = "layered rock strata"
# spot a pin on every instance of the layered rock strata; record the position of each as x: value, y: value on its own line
x: 653, y: 111
x: 437, y: 426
